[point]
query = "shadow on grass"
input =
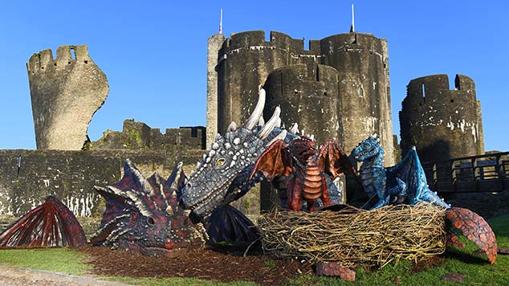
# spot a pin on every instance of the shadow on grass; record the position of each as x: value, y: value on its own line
x: 465, y: 257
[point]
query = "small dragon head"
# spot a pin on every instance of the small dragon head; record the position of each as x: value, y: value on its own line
x: 143, y: 214
x: 222, y: 176
x: 367, y: 149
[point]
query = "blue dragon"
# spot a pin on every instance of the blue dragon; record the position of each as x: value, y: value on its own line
x: 402, y: 183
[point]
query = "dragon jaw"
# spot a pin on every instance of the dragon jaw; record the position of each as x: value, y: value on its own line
x: 367, y: 149
x: 222, y: 176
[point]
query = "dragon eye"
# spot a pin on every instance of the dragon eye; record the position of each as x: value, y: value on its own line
x: 151, y: 221
x: 220, y: 162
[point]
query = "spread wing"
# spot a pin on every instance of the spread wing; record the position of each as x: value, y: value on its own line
x: 474, y: 227
x: 274, y: 161
x: 334, y: 161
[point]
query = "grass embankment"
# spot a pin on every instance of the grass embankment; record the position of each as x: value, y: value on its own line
x: 475, y: 270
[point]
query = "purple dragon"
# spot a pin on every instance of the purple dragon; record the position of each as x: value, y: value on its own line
x: 143, y: 214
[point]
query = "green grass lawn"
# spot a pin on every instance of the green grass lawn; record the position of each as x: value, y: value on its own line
x: 61, y: 260
x: 475, y: 270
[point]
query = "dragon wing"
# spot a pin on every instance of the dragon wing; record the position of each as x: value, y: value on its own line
x: 274, y: 161
x: 474, y: 227
x: 48, y: 225
x: 334, y: 161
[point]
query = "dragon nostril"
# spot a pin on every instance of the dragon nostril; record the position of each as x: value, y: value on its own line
x: 189, y: 185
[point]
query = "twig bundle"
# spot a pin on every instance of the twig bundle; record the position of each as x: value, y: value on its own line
x: 356, y: 237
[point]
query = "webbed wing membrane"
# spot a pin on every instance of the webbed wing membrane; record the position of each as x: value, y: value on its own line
x: 334, y: 161
x: 51, y: 224
x: 274, y: 161
x: 475, y: 228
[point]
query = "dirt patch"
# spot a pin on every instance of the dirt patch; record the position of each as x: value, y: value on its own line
x: 199, y: 263
x: 427, y: 263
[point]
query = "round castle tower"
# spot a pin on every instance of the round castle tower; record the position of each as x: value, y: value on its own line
x: 360, y: 84
x: 308, y: 95
x: 364, y: 96
x: 244, y: 62
x: 440, y: 122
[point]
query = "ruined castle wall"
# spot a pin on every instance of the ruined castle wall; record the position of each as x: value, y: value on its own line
x: 139, y: 136
x: 440, y: 122
x: 245, y: 61
x: 70, y: 175
x: 364, y: 100
x: 308, y: 95
x: 65, y: 93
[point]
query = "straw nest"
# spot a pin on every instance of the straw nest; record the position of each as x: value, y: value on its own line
x: 356, y: 237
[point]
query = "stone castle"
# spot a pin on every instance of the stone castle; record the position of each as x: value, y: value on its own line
x: 442, y: 123
x: 338, y: 88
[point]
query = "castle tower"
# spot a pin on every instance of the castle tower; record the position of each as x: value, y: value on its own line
x: 245, y: 61
x: 308, y: 95
x: 362, y: 87
x: 440, y: 122
x: 364, y: 94
x: 65, y: 93
x: 214, y: 44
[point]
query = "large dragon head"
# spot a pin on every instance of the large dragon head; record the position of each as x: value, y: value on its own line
x: 368, y: 148
x: 143, y: 214
x: 222, y: 176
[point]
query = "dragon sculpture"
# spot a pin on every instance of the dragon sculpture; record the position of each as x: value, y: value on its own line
x: 406, y: 183
x: 244, y: 156
x: 403, y: 183
x: 50, y: 224
x: 144, y: 214
x: 311, y: 170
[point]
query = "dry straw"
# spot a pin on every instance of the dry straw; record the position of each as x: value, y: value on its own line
x: 356, y: 237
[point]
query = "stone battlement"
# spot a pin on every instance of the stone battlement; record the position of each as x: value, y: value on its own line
x: 441, y: 122
x: 66, y: 55
x: 437, y: 86
x: 65, y: 94
x: 138, y: 135
x: 254, y: 39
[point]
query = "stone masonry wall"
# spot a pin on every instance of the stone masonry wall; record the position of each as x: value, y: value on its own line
x: 65, y: 93
x: 71, y: 175
x: 442, y: 123
x: 139, y: 136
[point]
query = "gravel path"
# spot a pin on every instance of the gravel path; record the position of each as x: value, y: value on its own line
x: 11, y: 276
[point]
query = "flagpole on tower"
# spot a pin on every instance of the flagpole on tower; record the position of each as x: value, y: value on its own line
x: 352, y: 27
x: 221, y: 22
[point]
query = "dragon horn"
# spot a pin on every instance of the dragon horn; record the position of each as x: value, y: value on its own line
x: 280, y: 136
x: 232, y: 126
x: 175, y: 177
x: 130, y: 169
x: 278, y: 123
x: 261, y: 121
x: 258, y: 111
x: 269, y: 126
x: 295, y: 128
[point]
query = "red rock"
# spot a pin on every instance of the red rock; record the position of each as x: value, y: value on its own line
x: 336, y: 270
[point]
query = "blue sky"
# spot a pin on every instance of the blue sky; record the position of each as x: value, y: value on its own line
x: 154, y: 52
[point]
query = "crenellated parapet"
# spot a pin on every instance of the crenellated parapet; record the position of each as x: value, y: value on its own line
x: 442, y: 122
x: 65, y: 92
x: 249, y: 60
